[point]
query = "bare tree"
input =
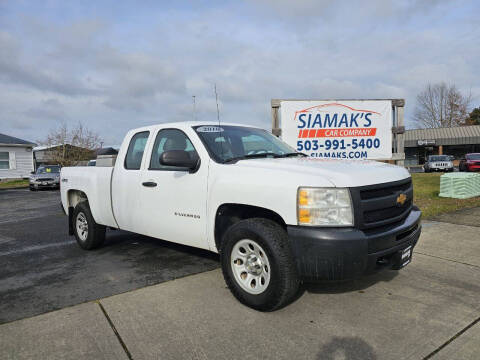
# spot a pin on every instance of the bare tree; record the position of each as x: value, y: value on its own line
x: 68, y: 147
x: 441, y: 105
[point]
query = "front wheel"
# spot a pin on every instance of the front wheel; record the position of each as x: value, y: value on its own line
x: 88, y: 233
x: 258, y: 264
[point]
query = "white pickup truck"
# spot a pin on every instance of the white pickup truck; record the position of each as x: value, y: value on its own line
x: 275, y: 216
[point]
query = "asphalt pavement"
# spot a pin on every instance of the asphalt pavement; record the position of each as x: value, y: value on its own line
x: 42, y: 268
x: 428, y: 310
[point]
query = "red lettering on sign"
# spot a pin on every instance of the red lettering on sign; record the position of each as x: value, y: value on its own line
x: 312, y: 133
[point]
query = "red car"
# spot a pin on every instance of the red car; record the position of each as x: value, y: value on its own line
x: 471, y: 162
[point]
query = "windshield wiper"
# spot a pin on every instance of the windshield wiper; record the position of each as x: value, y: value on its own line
x: 262, y: 155
x: 250, y: 156
x: 290, y: 155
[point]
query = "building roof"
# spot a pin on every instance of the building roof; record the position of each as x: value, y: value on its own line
x: 460, y: 135
x: 10, y: 140
x: 107, y: 151
x: 44, y: 147
x: 48, y: 147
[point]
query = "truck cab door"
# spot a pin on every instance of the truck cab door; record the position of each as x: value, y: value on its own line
x: 126, y: 182
x: 173, y: 200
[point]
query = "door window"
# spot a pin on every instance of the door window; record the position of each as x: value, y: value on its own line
x: 136, y: 148
x: 170, y: 139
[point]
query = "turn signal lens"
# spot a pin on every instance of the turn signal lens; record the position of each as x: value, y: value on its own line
x: 304, y: 216
x: 302, y: 197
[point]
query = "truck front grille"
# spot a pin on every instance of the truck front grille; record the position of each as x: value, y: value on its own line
x: 380, y: 205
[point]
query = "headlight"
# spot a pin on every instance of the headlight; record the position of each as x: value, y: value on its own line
x: 324, y: 207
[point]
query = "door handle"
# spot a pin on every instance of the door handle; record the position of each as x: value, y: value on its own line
x: 149, y: 184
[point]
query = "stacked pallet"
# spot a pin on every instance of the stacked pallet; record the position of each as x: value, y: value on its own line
x: 460, y: 185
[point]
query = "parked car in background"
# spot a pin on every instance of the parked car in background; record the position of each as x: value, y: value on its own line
x: 471, y: 162
x: 45, y: 177
x: 92, y: 163
x: 438, y: 163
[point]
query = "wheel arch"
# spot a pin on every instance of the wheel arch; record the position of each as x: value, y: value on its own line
x: 230, y: 213
x: 74, y: 197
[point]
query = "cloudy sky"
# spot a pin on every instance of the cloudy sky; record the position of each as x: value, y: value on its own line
x: 116, y: 65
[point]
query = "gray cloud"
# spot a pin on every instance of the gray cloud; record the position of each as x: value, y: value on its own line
x: 330, y: 10
x: 48, y: 110
x: 85, y: 71
x: 14, y: 70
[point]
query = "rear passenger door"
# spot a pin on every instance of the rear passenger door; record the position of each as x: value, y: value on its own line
x: 173, y: 201
x: 126, y: 182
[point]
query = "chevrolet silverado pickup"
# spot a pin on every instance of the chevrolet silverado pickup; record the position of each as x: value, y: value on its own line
x: 276, y: 217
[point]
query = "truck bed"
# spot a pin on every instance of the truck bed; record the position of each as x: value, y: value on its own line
x: 95, y: 182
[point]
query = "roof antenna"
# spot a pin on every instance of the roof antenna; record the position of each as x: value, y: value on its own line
x: 218, y: 116
x: 194, y: 109
x: 216, y: 99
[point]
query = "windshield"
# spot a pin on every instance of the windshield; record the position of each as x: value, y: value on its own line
x: 473, y: 157
x: 48, y: 170
x: 439, y: 158
x: 229, y: 143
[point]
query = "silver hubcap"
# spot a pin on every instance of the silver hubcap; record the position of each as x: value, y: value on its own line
x: 82, y: 226
x: 250, y: 266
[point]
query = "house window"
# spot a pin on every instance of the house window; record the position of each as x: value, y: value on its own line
x: 4, y: 161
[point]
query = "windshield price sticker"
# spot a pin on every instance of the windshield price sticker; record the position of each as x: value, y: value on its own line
x: 209, y: 129
x: 359, y: 129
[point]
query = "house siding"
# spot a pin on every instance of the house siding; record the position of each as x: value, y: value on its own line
x: 23, y: 162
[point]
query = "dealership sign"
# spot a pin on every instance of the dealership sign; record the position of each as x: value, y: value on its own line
x: 356, y: 129
x: 426, y: 142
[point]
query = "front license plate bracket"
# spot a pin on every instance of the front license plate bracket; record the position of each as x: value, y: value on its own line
x: 402, y: 258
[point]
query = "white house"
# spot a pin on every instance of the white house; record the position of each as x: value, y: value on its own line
x: 16, y: 157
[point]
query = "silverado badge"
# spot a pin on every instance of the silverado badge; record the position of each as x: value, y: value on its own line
x: 401, y: 199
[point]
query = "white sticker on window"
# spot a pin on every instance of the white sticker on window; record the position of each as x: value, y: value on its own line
x: 209, y: 129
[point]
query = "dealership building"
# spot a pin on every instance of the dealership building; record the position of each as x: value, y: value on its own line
x: 456, y: 141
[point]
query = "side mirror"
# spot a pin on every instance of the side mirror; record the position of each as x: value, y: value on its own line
x: 178, y: 158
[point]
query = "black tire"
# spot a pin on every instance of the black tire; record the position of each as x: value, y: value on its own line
x: 96, y: 233
x: 32, y: 188
x: 284, y: 282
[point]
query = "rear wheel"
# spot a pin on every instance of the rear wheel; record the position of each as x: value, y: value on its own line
x: 258, y: 265
x: 88, y: 233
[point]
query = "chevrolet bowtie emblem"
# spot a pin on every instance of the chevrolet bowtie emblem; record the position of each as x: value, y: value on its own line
x: 401, y: 199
